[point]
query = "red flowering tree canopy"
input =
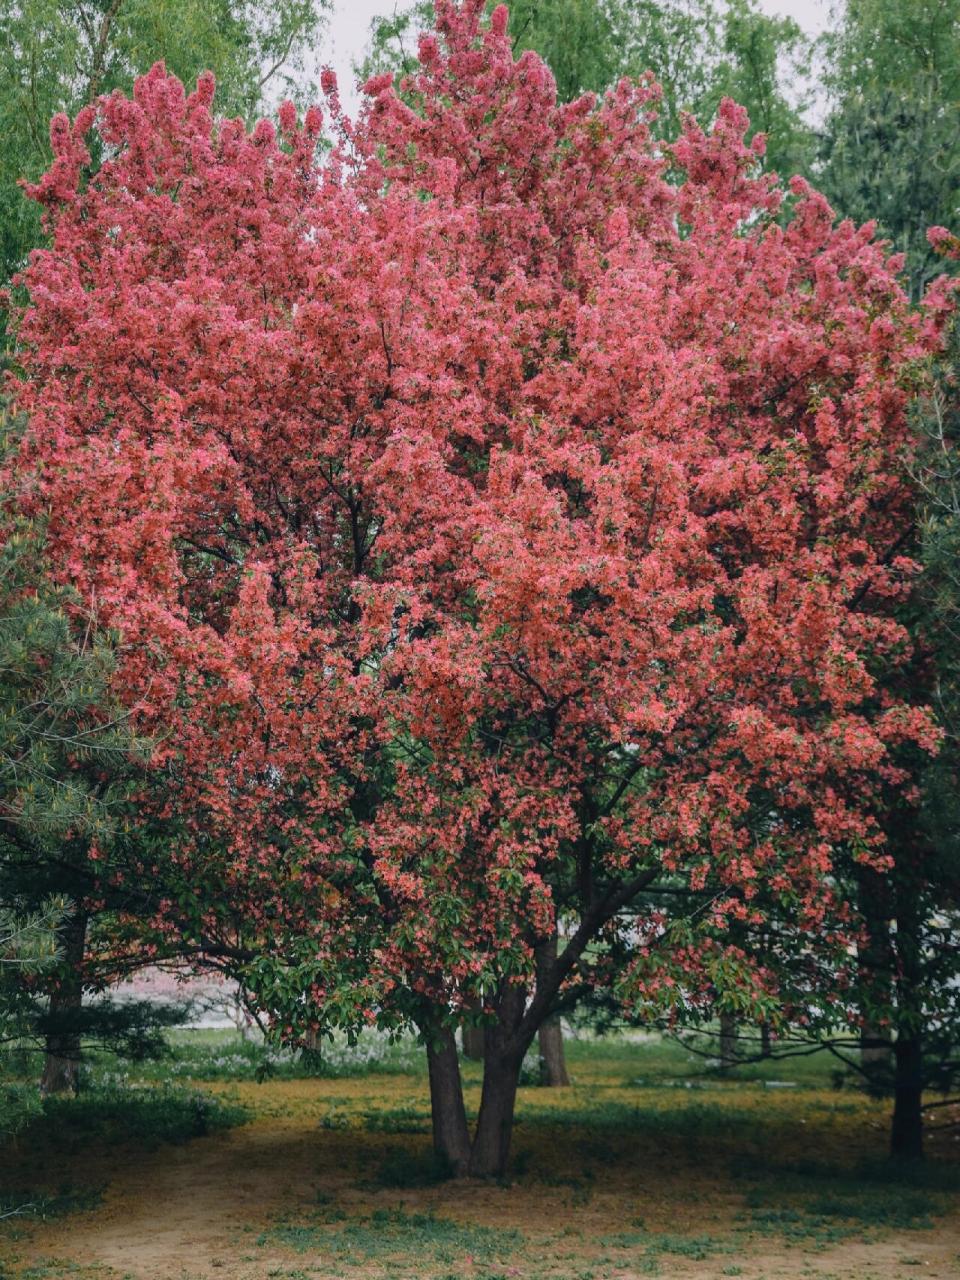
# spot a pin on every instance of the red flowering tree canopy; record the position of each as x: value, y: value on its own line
x: 500, y: 511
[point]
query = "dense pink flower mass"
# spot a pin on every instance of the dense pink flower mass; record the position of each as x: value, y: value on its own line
x: 500, y: 511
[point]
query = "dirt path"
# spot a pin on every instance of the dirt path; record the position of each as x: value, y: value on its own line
x: 190, y: 1210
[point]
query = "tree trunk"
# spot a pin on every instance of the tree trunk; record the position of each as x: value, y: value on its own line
x: 878, y: 969
x: 766, y: 1047
x: 62, y: 1047
x: 728, y: 1041
x: 906, y: 1134
x: 876, y: 1047
x: 451, y: 1137
x: 506, y: 1040
x: 553, y: 1066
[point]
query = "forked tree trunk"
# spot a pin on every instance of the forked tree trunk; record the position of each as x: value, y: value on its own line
x: 487, y: 1154
x: 451, y: 1137
x: 906, y: 1133
x: 502, y: 1059
x: 553, y: 1065
x: 62, y: 1047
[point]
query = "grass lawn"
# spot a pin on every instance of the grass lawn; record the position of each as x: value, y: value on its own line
x: 649, y: 1164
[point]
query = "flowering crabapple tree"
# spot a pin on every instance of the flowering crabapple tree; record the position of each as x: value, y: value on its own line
x: 501, y: 514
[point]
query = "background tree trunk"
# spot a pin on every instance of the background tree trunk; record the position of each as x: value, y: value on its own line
x: 766, y: 1047
x: 62, y: 1048
x: 876, y: 1047
x: 906, y: 1133
x: 472, y: 1041
x: 553, y: 1065
x: 728, y: 1041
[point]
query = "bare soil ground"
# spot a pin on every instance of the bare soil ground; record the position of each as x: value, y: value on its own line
x: 332, y: 1178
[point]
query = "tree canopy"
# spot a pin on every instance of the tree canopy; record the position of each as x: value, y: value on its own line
x: 502, y: 512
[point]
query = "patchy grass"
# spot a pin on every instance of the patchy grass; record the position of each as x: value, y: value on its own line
x: 391, y: 1234
x: 385, y: 1120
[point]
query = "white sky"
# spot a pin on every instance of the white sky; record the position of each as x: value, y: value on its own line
x: 349, y: 28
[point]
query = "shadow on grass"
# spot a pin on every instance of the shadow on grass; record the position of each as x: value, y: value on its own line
x: 825, y: 1202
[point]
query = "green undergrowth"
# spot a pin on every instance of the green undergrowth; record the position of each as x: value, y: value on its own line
x: 19, y: 1104
x: 25, y: 1203
x: 139, y: 1116
x: 52, y: 1133
x: 61, y: 1130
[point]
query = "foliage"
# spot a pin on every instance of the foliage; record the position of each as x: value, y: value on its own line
x: 59, y: 741
x: 503, y: 514
x: 58, y: 729
x: 907, y: 994
x: 938, y: 474
x: 931, y: 959
x: 27, y: 948
x: 18, y: 1105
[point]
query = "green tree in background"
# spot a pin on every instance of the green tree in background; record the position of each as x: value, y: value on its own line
x: 890, y: 151
x: 762, y: 57
x: 56, y: 55
x: 700, y: 51
x: 71, y: 846
x: 891, y: 143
